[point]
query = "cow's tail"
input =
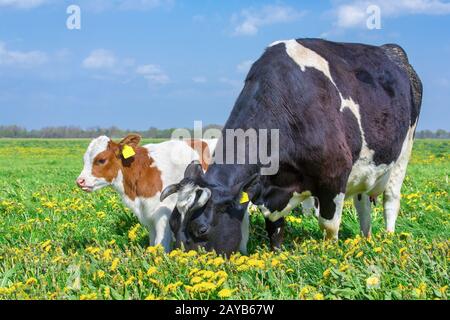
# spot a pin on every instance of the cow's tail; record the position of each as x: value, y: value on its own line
x: 400, y: 58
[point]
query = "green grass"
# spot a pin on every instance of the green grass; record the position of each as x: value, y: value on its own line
x: 59, y: 243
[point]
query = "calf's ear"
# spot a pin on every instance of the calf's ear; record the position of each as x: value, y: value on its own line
x: 132, y: 140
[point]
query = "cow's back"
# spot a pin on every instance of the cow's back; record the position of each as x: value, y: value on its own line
x: 306, y: 103
x: 382, y: 83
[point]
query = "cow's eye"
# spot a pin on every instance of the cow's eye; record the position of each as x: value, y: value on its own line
x: 101, y: 161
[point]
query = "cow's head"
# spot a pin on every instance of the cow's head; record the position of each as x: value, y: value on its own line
x: 208, y: 215
x: 103, y: 161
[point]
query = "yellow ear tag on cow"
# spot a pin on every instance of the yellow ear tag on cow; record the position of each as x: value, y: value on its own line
x: 244, y: 198
x: 127, y: 152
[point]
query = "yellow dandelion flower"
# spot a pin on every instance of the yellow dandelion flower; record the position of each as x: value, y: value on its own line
x: 243, y: 267
x: 208, y: 274
x: 173, y: 286
x: 275, y: 262
x: 359, y: 254
x: 31, y: 281
x: 158, y: 260
x: 196, y: 280
x: 218, y: 261
x: 377, y: 250
x: 101, y: 214
x: 107, y: 292
x: 90, y: 296
x: 193, y: 271
x: 256, y: 263
x: 192, y: 253
x: 114, y: 264
x: 333, y: 261
x: 129, y: 281
x: 151, y: 271
x: 107, y: 254
x: 225, y: 293
x: 100, y: 274
x: 150, y: 297
x: 318, y: 296
x: 443, y: 289
x: 132, y: 234
x: 204, y: 287
x: 241, y: 260
x: 304, y: 291
x: 326, y: 273
x: 372, y: 282
x: 344, y: 267
x: 220, y: 274
x: 221, y: 281
x: 46, y: 245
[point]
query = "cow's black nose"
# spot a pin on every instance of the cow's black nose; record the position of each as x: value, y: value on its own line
x: 203, y: 229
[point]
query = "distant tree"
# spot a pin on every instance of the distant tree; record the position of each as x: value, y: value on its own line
x: 13, y: 131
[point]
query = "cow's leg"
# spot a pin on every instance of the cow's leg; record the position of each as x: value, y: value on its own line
x: 331, y: 206
x: 162, y: 228
x: 275, y: 230
x: 391, y: 195
x: 362, y: 205
x: 245, y: 233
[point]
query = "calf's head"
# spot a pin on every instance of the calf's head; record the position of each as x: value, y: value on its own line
x: 208, y: 215
x: 103, y: 161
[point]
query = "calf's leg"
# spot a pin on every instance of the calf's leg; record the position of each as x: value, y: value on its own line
x: 163, y: 234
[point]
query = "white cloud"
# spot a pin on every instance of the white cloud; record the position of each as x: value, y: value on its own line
x: 199, y: 79
x: 244, y: 66
x: 153, y: 73
x: 144, y: 4
x: 139, y: 5
x: 22, y: 4
x: 20, y: 58
x: 249, y: 21
x: 353, y: 13
x: 231, y: 82
x: 112, y: 66
x: 100, y: 59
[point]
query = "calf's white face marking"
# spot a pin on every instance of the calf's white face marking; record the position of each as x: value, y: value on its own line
x: 93, y: 183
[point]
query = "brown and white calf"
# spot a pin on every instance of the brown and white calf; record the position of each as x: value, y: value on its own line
x: 141, y: 175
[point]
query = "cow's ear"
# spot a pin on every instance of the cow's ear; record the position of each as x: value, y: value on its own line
x: 132, y: 140
x: 194, y: 170
x: 248, y: 189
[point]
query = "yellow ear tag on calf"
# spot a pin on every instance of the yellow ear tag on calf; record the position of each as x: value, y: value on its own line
x: 128, y: 152
x: 244, y: 198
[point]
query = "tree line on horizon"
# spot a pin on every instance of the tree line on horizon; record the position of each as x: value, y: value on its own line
x: 67, y: 132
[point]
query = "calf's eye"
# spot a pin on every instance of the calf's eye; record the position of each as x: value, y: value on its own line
x: 101, y: 161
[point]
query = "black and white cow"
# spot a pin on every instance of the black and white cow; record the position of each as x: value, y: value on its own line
x: 346, y: 115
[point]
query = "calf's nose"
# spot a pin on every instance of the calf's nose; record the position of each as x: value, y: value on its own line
x: 81, y: 182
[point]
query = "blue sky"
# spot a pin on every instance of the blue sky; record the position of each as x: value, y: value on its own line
x: 166, y: 63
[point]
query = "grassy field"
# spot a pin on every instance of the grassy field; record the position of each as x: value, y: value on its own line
x: 59, y: 243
